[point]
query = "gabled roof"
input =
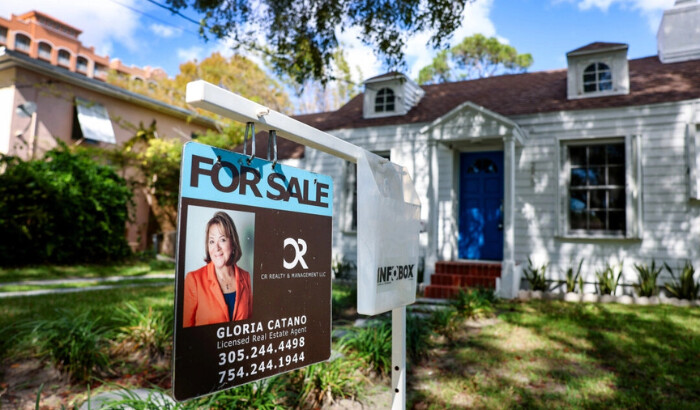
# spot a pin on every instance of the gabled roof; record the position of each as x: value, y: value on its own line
x: 597, y: 47
x: 530, y: 93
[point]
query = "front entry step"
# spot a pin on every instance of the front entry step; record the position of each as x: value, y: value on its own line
x: 451, y: 276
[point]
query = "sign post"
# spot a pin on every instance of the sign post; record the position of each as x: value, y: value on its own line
x: 388, y: 215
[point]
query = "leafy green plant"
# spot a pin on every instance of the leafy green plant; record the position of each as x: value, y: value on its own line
x: 343, y: 300
x: 322, y: 383
x: 418, y: 334
x: 607, y: 281
x: 471, y: 303
x: 646, y: 279
x: 150, y: 329
x: 262, y: 394
x: 342, y: 268
x: 127, y: 399
x: 371, y: 344
x: 75, y: 343
x: 64, y: 208
x: 573, y: 278
x: 536, y: 276
x: 445, y: 322
x: 685, y: 286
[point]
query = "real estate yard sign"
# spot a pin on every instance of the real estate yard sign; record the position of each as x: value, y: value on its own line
x: 282, y: 217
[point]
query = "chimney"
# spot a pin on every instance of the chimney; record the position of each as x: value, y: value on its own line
x: 678, y: 38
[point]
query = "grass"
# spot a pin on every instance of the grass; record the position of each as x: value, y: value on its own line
x: 135, y: 269
x: 81, y: 284
x: 540, y: 354
x: 559, y: 355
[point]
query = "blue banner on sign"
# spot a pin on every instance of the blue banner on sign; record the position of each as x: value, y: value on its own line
x: 216, y: 174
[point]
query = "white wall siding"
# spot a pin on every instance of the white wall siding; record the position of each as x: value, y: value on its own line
x: 670, y: 222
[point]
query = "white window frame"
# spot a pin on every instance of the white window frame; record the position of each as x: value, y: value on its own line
x: 597, y: 81
x: 388, y: 92
x: 693, y: 144
x: 633, y: 188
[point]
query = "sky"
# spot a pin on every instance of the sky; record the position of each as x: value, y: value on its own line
x: 140, y: 33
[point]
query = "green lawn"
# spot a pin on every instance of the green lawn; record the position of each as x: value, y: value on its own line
x: 17, y: 287
x: 136, y: 268
x: 559, y: 355
x: 539, y: 354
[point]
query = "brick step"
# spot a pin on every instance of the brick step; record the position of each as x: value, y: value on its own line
x: 468, y: 268
x: 463, y: 281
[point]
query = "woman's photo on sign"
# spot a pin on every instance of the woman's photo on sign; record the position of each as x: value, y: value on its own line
x: 220, y: 290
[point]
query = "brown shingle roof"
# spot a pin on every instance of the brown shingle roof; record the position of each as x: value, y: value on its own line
x: 511, y: 95
x: 597, y: 46
x: 532, y: 93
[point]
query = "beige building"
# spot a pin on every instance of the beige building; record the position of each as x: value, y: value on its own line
x: 43, y: 100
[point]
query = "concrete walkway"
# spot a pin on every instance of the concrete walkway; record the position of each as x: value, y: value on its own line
x: 167, y: 278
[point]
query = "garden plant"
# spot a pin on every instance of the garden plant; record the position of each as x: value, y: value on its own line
x: 607, y: 280
x: 685, y: 286
x: 536, y: 276
x: 647, y: 277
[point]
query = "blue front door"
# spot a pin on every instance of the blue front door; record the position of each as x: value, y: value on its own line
x: 481, y: 205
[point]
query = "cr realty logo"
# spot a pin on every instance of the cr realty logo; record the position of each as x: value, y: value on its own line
x: 299, y: 246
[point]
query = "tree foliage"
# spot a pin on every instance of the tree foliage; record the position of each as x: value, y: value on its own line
x: 475, y: 57
x: 237, y: 74
x: 316, y: 96
x: 300, y: 37
x: 64, y: 208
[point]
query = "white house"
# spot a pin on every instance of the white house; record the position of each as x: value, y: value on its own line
x: 598, y: 161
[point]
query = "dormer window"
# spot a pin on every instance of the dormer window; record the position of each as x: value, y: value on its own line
x: 385, y: 101
x: 390, y: 94
x: 597, y: 70
x: 597, y: 77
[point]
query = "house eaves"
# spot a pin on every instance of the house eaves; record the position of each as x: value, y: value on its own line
x: 10, y: 58
x: 518, y: 132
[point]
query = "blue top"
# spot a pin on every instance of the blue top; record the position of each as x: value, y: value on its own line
x: 230, y: 302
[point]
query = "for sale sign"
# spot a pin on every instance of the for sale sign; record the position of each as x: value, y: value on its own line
x: 253, y: 282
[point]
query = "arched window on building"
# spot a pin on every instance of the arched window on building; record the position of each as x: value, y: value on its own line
x: 597, y: 77
x: 64, y: 58
x: 22, y: 43
x: 44, y: 51
x: 385, y: 100
x: 81, y: 65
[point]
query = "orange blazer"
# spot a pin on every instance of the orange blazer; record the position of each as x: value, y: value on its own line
x: 204, y: 302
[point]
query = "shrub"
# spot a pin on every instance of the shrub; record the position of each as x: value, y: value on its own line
x: 417, y: 337
x: 470, y: 303
x: 63, y: 209
x: 371, y: 344
x: 342, y: 269
x: 573, y: 278
x: 607, y: 281
x: 536, y: 276
x: 646, y: 279
x: 445, y: 322
x: 262, y: 394
x: 322, y: 383
x: 685, y: 286
x: 76, y: 344
x: 150, y: 330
